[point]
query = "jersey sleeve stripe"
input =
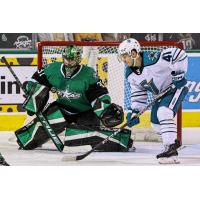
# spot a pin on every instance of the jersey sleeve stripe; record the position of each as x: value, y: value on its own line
x: 139, y: 95
x: 173, y: 59
x: 141, y: 91
x: 143, y: 102
x: 174, y: 53
x: 182, y: 59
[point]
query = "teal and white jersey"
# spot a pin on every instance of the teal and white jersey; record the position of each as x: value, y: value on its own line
x: 156, y: 74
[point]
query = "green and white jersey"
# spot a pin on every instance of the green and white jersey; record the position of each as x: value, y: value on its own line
x: 78, y: 91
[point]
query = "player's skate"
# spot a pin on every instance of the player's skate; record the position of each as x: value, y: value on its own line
x: 3, y: 161
x: 170, y: 153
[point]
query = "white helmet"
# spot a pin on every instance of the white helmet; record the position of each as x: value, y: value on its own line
x: 128, y: 45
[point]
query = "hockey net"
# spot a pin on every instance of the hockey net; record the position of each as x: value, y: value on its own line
x: 103, y: 57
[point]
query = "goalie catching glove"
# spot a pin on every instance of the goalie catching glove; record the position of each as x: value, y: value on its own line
x: 110, y: 114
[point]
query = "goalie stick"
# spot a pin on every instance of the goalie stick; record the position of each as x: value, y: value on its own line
x: 80, y: 157
x: 50, y: 132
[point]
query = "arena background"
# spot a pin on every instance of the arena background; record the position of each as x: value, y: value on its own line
x: 20, y: 48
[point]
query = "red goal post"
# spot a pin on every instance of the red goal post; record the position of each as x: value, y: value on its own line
x: 47, y: 47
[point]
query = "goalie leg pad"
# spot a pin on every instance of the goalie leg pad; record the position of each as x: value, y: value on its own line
x: 33, y: 135
x: 81, y: 136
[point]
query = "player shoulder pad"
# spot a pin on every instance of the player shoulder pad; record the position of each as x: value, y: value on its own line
x: 150, y: 57
x: 177, y: 54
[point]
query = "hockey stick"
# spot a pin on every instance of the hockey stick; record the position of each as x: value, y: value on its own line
x: 80, y: 157
x: 50, y: 132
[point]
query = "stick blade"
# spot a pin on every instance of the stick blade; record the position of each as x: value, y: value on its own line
x: 69, y: 158
x: 73, y: 158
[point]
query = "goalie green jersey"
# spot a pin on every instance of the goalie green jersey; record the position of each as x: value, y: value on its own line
x: 76, y: 92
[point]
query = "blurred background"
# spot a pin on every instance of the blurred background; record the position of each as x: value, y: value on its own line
x: 28, y: 41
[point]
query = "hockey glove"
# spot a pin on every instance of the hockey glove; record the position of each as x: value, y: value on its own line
x: 109, y: 113
x: 112, y: 115
x: 178, y: 79
x: 134, y: 121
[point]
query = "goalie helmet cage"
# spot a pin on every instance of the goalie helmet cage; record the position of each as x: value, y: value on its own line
x: 103, y: 56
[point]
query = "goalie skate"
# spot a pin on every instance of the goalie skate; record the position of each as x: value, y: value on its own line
x: 3, y: 161
x: 170, y: 153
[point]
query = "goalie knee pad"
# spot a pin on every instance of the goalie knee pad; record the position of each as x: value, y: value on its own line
x: 33, y: 135
x: 76, y: 136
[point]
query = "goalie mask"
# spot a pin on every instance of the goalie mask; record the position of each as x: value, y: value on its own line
x: 129, y: 52
x: 71, y: 58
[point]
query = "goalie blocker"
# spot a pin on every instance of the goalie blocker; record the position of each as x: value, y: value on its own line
x: 80, y: 129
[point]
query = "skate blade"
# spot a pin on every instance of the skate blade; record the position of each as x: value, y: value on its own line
x: 170, y: 160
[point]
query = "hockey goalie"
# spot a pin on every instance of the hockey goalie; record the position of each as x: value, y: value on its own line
x: 154, y: 71
x: 83, y: 109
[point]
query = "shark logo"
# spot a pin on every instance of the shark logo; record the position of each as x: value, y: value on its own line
x: 153, y: 55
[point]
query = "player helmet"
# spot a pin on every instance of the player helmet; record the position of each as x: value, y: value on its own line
x: 126, y: 54
x: 72, y: 52
x: 128, y: 45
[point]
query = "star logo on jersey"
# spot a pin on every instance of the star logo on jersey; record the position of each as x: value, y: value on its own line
x: 69, y: 95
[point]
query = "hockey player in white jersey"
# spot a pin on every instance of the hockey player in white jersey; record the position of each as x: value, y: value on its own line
x: 154, y: 71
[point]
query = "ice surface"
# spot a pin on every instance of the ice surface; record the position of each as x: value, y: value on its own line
x: 49, y: 156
